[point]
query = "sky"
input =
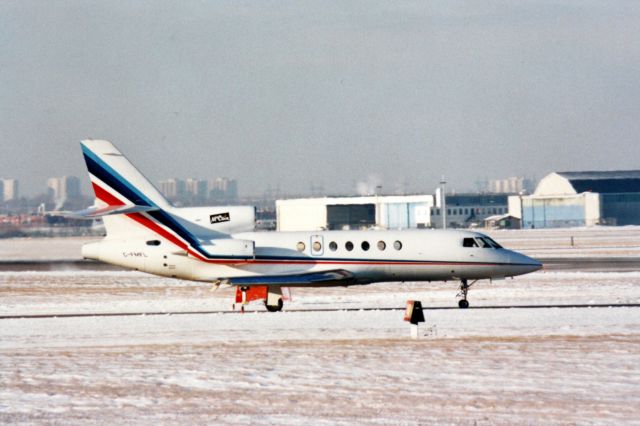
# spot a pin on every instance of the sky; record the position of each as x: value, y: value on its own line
x: 338, y: 94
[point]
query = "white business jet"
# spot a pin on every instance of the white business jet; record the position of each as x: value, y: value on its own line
x: 219, y: 245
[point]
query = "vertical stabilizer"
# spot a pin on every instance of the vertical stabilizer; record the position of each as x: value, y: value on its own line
x: 115, y: 180
x: 132, y: 208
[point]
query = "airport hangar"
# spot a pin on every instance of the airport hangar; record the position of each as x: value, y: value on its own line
x: 388, y: 212
x: 565, y: 199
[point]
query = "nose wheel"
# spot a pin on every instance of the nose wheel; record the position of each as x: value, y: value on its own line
x: 464, y: 289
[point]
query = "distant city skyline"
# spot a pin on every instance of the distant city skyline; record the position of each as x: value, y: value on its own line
x: 336, y: 95
x: 226, y: 189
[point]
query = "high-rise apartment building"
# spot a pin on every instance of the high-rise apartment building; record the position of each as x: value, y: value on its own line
x: 510, y: 185
x: 64, y: 188
x: 222, y: 188
x: 9, y: 189
x: 172, y: 188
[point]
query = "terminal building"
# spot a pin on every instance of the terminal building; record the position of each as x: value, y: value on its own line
x: 566, y: 199
x: 343, y: 213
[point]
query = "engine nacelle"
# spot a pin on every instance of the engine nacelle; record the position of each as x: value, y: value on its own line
x: 203, y: 221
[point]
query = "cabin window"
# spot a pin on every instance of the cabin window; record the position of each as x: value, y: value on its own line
x: 333, y: 246
x: 469, y: 242
x: 365, y: 245
x: 349, y: 246
x: 300, y: 246
x: 397, y: 245
x: 317, y: 246
x: 382, y: 245
x: 153, y: 242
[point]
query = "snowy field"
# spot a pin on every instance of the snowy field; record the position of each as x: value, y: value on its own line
x: 334, y: 356
x: 306, y: 365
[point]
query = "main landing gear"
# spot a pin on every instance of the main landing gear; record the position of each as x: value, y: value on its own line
x: 271, y: 295
x: 274, y: 308
x: 464, y: 289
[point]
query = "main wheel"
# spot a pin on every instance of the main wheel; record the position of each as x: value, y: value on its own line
x: 463, y: 304
x: 274, y: 308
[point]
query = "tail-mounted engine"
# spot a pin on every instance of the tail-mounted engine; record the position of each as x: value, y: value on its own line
x: 202, y: 221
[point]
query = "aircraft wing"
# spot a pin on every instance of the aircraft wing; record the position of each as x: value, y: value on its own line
x: 335, y: 276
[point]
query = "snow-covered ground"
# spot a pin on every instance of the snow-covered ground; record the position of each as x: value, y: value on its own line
x: 305, y: 365
x: 81, y: 292
x: 12, y: 249
x: 597, y: 241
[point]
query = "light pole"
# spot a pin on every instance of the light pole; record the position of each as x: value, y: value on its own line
x: 520, y: 194
x: 444, y: 202
x: 378, y: 216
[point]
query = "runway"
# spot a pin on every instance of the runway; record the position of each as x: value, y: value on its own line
x: 239, y: 312
x: 602, y: 264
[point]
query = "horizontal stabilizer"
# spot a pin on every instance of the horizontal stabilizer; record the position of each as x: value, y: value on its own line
x: 95, y: 212
x: 335, y: 276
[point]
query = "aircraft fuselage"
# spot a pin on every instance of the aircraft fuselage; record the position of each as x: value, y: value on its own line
x: 370, y: 256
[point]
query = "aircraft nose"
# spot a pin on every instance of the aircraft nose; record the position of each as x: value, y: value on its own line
x: 524, y: 264
x: 534, y: 264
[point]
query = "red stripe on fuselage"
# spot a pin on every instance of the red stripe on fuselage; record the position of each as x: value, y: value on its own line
x: 148, y: 223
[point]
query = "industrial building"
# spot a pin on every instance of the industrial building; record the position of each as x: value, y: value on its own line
x: 565, y: 199
x: 469, y: 210
x: 340, y: 213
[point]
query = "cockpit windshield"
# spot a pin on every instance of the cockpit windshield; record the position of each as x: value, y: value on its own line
x: 484, y: 242
x: 490, y: 242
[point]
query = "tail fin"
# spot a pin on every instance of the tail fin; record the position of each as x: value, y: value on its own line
x: 131, y: 207
x: 119, y: 187
x: 115, y: 181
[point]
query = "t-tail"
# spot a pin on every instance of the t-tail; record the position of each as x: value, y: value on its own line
x: 115, y: 181
x: 134, y: 210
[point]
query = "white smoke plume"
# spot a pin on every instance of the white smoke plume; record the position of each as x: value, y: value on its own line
x: 371, y: 186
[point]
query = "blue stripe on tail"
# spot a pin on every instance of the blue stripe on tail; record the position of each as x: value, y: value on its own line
x: 109, y: 176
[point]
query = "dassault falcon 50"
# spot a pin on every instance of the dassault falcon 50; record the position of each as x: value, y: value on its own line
x: 218, y: 244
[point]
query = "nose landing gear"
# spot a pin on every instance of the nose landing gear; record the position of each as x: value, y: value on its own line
x: 464, y: 289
